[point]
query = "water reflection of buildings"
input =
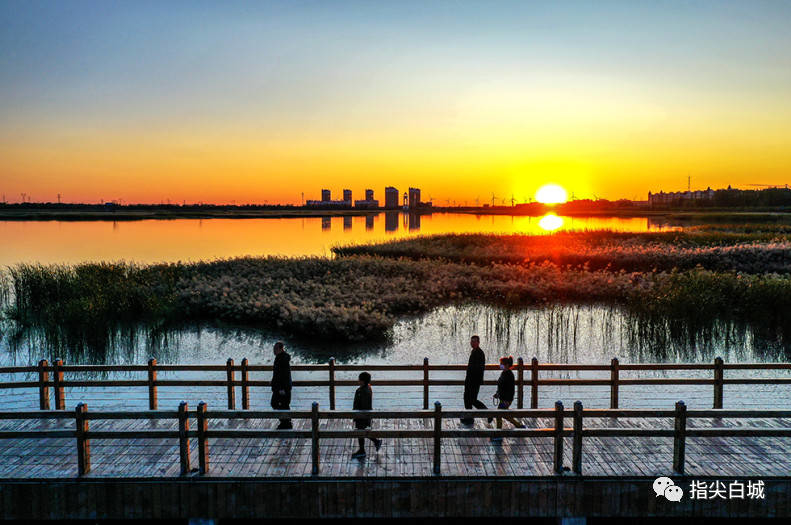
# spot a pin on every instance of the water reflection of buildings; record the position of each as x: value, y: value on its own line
x: 411, y: 221
x: 661, y: 223
x: 391, y: 221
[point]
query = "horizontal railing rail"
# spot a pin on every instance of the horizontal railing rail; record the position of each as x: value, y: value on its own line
x: 434, y: 431
x: 529, y: 377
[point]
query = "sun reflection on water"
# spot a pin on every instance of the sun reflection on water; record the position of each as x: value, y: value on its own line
x: 550, y: 222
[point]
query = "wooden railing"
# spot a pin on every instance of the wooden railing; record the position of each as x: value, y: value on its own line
x: 528, y: 377
x: 434, y: 431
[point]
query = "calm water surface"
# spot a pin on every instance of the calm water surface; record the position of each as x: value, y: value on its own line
x: 148, y: 241
x: 561, y: 334
x: 573, y: 334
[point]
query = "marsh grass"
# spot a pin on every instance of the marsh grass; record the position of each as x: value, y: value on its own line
x: 754, y: 252
x: 88, y: 307
x: 771, y: 230
x: 675, y: 286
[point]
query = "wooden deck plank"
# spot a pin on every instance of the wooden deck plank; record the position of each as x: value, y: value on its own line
x: 411, y: 457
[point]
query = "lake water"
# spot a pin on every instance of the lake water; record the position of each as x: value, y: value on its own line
x: 561, y: 334
x: 565, y: 334
x: 148, y: 241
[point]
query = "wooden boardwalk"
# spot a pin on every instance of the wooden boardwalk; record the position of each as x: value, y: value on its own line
x: 270, y: 476
x: 647, y: 452
x: 475, y: 457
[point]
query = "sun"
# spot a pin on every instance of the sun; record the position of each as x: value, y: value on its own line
x: 551, y: 194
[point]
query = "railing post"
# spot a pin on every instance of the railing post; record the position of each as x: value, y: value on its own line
x: 679, y: 443
x: 314, y: 437
x: 245, y: 386
x: 57, y: 382
x: 437, y: 436
x: 203, y: 442
x: 184, y: 442
x: 332, y: 383
x: 231, y: 390
x: 614, y: 383
x: 534, y: 383
x: 152, y: 384
x: 558, y: 437
x: 83, y: 444
x: 425, y: 383
x: 520, y: 383
x: 43, y: 385
x: 576, y: 455
x: 718, y: 380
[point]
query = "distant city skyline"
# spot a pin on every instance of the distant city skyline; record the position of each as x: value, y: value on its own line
x: 376, y: 199
x: 254, y: 102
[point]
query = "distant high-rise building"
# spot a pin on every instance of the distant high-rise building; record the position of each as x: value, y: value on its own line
x: 414, y: 198
x: 369, y: 195
x: 327, y: 202
x: 391, y: 198
x: 367, y: 204
x: 679, y: 197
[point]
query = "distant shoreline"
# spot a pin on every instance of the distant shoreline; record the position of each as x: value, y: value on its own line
x: 136, y: 214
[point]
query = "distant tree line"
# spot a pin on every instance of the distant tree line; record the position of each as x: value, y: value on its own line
x: 733, y: 198
x: 769, y: 197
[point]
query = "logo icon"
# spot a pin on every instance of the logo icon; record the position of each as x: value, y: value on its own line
x: 664, y: 486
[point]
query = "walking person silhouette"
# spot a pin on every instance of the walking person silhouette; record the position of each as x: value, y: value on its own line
x: 474, y: 379
x: 363, y: 400
x: 281, y: 383
x: 506, y: 384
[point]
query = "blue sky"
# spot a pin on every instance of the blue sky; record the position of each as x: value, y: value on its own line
x: 95, y: 74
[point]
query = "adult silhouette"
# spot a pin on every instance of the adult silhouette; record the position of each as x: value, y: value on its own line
x: 474, y: 379
x: 281, y: 383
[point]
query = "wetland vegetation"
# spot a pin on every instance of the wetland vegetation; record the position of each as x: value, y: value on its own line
x: 673, y: 286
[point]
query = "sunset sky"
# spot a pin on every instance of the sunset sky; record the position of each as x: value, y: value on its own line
x: 254, y: 102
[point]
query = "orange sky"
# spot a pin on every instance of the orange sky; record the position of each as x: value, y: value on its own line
x: 254, y: 103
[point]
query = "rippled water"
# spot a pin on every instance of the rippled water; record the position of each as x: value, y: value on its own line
x: 564, y: 334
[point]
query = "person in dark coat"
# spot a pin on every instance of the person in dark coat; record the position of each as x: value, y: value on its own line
x: 363, y: 400
x: 281, y: 384
x: 506, y: 385
x: 474, y: 379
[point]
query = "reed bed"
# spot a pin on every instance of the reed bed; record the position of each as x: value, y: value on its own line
x: 754, y: 252
x: 360, y: 298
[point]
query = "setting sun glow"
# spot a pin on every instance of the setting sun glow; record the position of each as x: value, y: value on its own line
x: 551, y: 194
